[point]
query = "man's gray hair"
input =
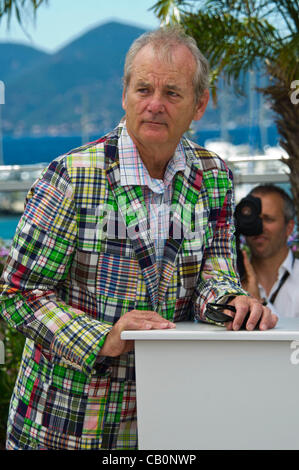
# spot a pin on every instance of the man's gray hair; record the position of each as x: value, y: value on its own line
x: 289, y: 211
x: 163, y: 40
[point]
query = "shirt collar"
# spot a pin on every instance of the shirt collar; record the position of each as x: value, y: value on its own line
x: 134, y: 172
x: 286, y: 265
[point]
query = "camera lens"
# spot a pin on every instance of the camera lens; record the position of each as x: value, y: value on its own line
x: 247, y: 215
x: 246, y: 210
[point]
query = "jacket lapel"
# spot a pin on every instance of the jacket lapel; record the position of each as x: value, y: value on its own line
x: 130, y: 201
x: 131, y: 204
x: 186, y: 192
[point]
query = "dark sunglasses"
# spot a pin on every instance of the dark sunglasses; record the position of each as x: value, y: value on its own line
x: 215, y: 312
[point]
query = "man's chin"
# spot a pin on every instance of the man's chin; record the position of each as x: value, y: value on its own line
x: 260, y: 254
x: 154, y: 135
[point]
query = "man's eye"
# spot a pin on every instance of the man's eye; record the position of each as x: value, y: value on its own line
x: 142, y: 90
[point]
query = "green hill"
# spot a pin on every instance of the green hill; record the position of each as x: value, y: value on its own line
x: 17, y: 58
x: 82, y: 81
x: 78, y: 89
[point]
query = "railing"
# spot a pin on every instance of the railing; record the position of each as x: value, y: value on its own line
x: 252, y: 171
x: 19, y: 177
x: 16, y: 180
x: 247, y: 170
x: 258, y: 169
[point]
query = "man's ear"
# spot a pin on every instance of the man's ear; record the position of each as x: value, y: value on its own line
x: 201, y: 105
x: 124, y: 96
x: 290, y: 227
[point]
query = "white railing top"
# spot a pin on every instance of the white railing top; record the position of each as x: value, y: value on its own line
x: 246, y: 169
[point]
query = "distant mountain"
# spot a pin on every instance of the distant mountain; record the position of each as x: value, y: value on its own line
x: 16, y: 58
x: 78, y: 89
x: 80, y: 85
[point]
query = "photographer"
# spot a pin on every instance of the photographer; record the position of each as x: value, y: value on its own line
x: 272, y: 273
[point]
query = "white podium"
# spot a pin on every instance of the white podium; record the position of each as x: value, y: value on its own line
x: 202, y: 387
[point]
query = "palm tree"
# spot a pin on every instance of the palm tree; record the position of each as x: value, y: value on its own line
x: 238, y: 35
x: 18, y: 7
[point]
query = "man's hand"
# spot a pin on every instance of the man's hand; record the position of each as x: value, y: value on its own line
x: 257, y: 311
x: 133, y: 320
x: 250, y: 283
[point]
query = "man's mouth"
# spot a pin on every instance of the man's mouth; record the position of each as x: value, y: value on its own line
x: 258, y: 238
x: 155, y: 123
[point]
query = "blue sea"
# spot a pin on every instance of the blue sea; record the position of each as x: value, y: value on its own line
x: 30, y: 150
x: 8, y: 227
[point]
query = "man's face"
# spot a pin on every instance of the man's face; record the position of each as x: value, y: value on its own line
x: 275, y: 234
x: 159, y: 101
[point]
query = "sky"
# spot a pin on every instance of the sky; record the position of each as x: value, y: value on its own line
x: 60, y: 21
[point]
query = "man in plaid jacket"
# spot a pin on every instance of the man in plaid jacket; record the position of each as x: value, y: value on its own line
x: 133, y: 231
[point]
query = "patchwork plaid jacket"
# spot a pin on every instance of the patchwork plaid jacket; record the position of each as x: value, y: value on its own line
x: 81, y: 257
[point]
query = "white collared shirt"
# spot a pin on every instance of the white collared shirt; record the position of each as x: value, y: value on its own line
x: 157, y: 193
x: 286, y: 303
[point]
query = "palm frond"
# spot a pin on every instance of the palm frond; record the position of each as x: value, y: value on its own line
x: 231, y: 45
x: 169, y: 11
x: 8, y: 8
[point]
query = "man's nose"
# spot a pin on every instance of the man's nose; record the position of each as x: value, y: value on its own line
x: 156, y: 103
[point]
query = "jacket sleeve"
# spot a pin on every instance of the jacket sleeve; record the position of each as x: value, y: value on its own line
x: 219, y: 279
x: 40, y: 257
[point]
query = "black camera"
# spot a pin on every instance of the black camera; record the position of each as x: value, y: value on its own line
x: 248, y: 222
x: 247, y: 216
